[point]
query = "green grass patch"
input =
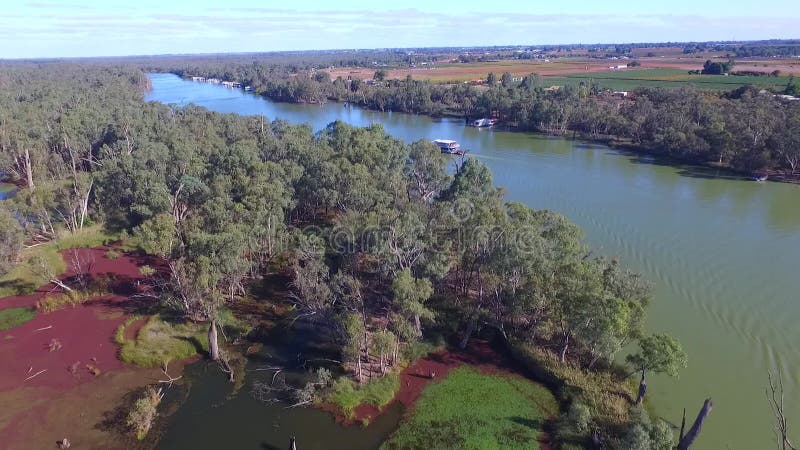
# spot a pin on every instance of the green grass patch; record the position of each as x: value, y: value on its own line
x: 25, y: 277
x: 346, y: 395
x: 160, y: 341
x: 14, y: 317
x: 119, y: 335
x: 5, y: 187
x: 471, y: 410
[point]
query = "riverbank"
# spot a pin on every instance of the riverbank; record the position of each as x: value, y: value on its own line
x: 61, y: 376
x: 772, y: 173
x: 712, y: 245
x: 478, y: 362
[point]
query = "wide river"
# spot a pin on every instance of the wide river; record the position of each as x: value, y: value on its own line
x: 723, y: 252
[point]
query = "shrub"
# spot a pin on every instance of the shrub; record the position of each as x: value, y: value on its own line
x: 579, y: 417
x: 418, y: 349
x: 347, y: 396
x: 144, y: 411
x: 147, y: 271
x: 72, y: 298
x: 113, y: 254
x: 14, y: 317
x: 160, y: 341
x: 25, y: 277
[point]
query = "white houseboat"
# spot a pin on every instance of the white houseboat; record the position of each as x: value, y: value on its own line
x: 483, y: 123
x: 449, y: 146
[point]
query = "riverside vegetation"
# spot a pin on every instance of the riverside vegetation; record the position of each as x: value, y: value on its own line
x: 744, y: 129
x: 382, y: 247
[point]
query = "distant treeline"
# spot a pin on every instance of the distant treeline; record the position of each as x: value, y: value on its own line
x: 744, y: 129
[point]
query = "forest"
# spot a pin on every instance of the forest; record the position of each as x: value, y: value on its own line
x: 748, y: 129
x: 383, y: 246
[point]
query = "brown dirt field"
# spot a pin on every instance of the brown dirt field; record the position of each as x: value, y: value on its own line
x: 414, y: 379
x: 82, y: 369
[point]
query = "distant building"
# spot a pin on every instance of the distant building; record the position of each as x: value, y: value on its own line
x: 622, y: 94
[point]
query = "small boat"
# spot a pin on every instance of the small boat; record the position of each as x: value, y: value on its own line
x: 449, y: 146
x: 760, y: 178
x: 483, y: 123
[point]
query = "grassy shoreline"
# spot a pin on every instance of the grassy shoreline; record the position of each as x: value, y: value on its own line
x: 473, y: 410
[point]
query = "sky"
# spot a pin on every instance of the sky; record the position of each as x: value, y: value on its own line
x: 80, y: 28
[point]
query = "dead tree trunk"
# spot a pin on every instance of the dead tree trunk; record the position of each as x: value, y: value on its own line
x: 775, y: 399
x: 686, y: 442
x: 564, y: 348
x: 292, y: 443
x: 213, y: 346
x: 642, y: 388
x: 28, y: 169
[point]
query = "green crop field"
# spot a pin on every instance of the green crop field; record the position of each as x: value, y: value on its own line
x: 667, y: 78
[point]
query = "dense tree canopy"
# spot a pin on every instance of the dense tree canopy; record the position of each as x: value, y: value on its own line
x: 380, y: 242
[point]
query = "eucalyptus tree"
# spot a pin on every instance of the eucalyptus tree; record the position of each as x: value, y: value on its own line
x: 658, y: 353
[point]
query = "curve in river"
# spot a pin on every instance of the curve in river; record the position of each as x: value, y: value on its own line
x: 721, y: 250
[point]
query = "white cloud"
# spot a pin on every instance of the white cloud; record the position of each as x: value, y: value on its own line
x: 80, y: 30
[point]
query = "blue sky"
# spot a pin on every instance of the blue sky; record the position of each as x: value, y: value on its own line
x: 52, y: 28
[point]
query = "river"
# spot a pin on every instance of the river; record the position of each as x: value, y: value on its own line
x: 721, y: 251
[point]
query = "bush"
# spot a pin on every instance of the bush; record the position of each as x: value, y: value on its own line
x: 25, y: 277
x: 144, y: 411
x: 161, y: 341
x: 347, y: 396
x: 579, y: 417
x: 11, y: 240
x: 147, y: 271
x: 113, y: 254
x: 73, y: 298
x: 14, y: 317
x: 418, y: 349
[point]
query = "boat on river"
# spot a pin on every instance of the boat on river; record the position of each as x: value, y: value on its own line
x: 483, y: 123
x: 449, y: 146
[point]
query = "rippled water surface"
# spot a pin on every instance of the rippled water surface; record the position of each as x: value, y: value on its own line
x: 723, y: 252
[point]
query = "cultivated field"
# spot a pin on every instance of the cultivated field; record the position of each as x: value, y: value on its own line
x: 669, y: 70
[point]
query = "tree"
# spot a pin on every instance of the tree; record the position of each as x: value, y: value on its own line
x: 659, y: 353
x: 380, y: 75
x: 506, y: 80
x: 410, y: 295
x: 310, y: 290
x: 12, y: 238
x: 491, y: 79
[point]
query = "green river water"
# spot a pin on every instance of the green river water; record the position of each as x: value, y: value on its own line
x: 721, y: 251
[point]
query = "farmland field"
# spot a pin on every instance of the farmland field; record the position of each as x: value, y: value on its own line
x: 660, y: 71
x: 631, y: 79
